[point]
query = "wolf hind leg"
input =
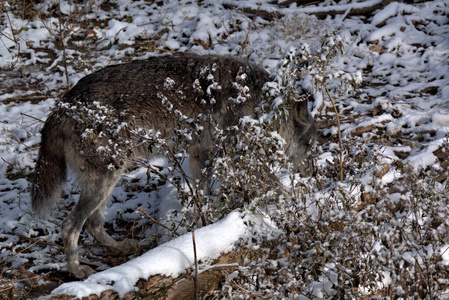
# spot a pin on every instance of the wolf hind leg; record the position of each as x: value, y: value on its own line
x: 95, y: 192
x: 94, y: 225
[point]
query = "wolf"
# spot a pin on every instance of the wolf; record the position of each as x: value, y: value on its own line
x: 90, y: 130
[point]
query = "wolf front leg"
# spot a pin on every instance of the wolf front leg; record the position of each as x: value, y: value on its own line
x: 200, y: 159
x: 96, y: 189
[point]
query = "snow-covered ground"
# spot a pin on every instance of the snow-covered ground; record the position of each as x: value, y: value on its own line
x: 400, y: 118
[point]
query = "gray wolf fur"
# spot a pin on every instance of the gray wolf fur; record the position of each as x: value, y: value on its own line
x: 132, y: 93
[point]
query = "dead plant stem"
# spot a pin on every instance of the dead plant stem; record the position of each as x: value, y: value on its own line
x: 339, y: 129
x: 155, y: 221
x: 62, y: 37
x: 25, y: 115
x: 197, y: 292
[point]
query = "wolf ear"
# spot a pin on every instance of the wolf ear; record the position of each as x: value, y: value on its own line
x: 301, y: 112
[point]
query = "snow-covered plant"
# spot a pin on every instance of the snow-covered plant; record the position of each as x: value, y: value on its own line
x: 99, y: 127
x: 284, y: 90
x: 334, y: 244
x: 238, y: 31
x: 242, y: 163
x: 62, y: 19
x: 7, y: 32
x: 315, y: 74
x: 245, y: 165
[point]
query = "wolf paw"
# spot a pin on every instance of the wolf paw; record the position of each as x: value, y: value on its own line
x: 128, y: 246
x: 81, y: 271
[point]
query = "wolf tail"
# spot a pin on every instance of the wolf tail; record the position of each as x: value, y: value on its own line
x: 51, y: 169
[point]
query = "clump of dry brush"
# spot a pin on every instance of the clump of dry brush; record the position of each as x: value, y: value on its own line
x: 346, y: 236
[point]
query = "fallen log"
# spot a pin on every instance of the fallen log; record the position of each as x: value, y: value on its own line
x: 182, y: 287
x: 321, y: 12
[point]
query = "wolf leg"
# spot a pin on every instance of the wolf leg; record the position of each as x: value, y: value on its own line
x: 95, y: 192
x: 94, y: 225
x: 199, y: 160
